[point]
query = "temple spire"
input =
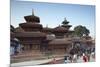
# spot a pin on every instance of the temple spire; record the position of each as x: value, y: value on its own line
x: 32, y: 18
x: 46, y: 25
x: 32, y: 11
x: 65, y: 19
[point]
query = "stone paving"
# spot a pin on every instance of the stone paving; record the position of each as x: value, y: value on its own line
x: 48, y: 61
x: 31, y: 63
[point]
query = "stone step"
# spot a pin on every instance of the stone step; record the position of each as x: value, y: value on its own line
x: 32, y: 53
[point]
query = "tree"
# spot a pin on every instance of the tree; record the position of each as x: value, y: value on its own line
x: 81, y: 30
x: 85, y: 31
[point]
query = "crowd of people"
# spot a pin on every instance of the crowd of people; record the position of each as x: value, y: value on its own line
x: 73, y: 59
x: 85, y: 57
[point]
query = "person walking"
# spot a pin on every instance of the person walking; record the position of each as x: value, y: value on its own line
x: 54, y: 60
x: 88, y: 57
x: 70, y: 58
x: 75, y: 58
x: 65, y: 59
x: 85, y: 59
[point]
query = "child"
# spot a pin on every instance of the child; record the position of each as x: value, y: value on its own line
x: 65, y: 59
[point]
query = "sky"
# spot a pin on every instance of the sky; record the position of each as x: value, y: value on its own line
x: 52, y: 14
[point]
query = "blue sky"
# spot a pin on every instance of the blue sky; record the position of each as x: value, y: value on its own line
x: 52, y: 14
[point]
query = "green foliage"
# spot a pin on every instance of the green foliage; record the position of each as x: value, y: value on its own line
x: 81, y: 30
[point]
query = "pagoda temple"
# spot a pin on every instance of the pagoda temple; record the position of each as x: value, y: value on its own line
x: 38, y: 39
x: 31, y: 37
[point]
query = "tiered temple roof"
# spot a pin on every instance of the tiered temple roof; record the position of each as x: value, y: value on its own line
x: 32, y: 18
x: 31, y: 28
x: 65, y: 24
x: 60, y: 29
